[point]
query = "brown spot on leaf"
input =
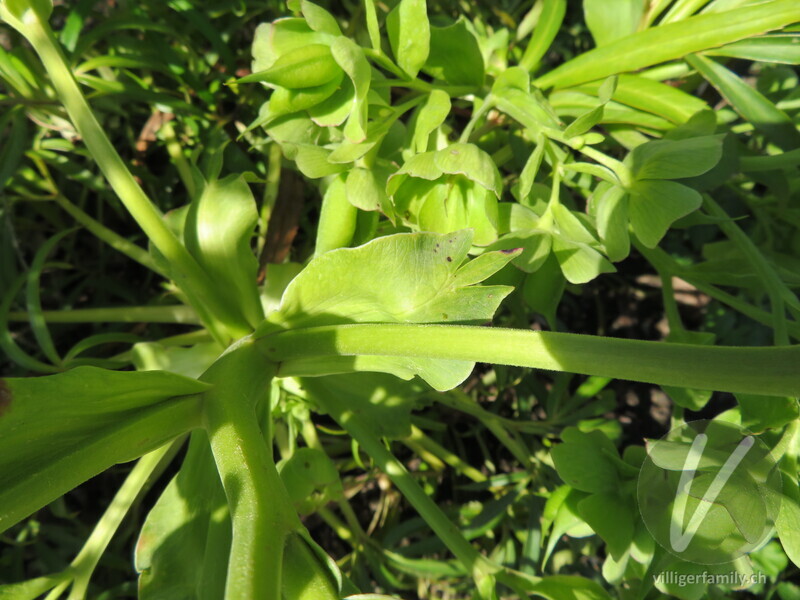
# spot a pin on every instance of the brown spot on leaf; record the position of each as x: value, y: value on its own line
x: 5, y: 398
x: 449, y: 259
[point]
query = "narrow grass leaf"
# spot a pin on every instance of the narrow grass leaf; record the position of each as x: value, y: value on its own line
x: 669, y: 42
x: 751, y: 104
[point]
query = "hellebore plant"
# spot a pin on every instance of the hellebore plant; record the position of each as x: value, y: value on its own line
x: 407, y: 301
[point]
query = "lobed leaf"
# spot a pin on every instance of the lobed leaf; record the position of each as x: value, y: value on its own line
x: 404, y: 278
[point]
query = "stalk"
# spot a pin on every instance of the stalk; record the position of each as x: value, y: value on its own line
x: 261, y: 511
x: 765, y: 371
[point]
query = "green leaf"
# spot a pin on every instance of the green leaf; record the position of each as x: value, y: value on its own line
x: 409, y: 35
x: 428, y: 118
x: 561, y: 511
x: 655, y: 205
x: 33, y: 299
x: 776, y: 48
x: 652, y: 96
x: 190, y: 361
x: 672, y: 41
x: 312, y: 160
x: 753, y: 106
x: 765, y: 412
x: 333, y: 111
x: 19, y: 8
x: 676, y: 159
x: 33, y: 588
x: 318, y: 18
x: 612, y: 221
x: 550, y: 20
x: 583, y: 461
x: 536, y: 245
x: 584, y: 122
x: 285, y: 101
x: 372, y: 24
x: 788, y: 522
x: 219, y: 226
x: 15, y: 143
x: 544, y: 288
x: 183, y: 547
x: 455, y: 56
x: 529, y: 109
x: 350, y: 57
x: 307, y: 66
x: 366, y: 189
x: 383, y: 401
x: 531, y: 169
x: 49, y: 446
x: 611, y: 517
x: 278, y: 276
x: 457, y: 204
x: 403, y: 278
x: 337, y: 219
x: 422, y: 166
x: 311, y: 479
x: 308, y: 574
x: 471, y: 162
x: 610, y: 20
x: 272, y: 40
x: 483, y: 267
x: 573, y: 246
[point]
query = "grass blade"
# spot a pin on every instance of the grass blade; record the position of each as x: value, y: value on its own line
x: 672, y: 41
x: 753, y: 106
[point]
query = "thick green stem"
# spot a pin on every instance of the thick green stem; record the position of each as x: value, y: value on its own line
x: 765, y: 371
x: 261, y: 511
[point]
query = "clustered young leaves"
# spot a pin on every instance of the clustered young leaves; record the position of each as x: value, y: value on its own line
x: 458, y: 174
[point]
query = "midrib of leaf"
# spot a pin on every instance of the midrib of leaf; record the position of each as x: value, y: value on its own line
x: 673, y: 41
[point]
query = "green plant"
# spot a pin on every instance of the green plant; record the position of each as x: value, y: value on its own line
x: 413, y: 149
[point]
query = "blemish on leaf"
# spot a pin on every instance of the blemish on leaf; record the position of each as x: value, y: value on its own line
x: 444, y: 316
x: 449, y: 259
x: 5, y: 398
x: 511, y: 251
